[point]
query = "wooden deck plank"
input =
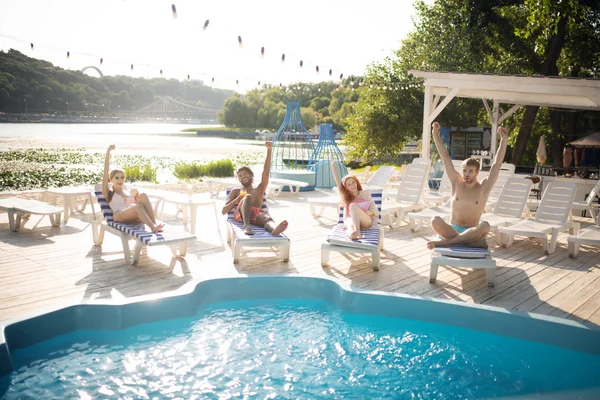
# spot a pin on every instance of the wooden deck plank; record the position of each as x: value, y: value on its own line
x: 49, y: 266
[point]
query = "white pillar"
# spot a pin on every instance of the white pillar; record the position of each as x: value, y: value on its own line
x: 426, y: 123
x: 495, y: 116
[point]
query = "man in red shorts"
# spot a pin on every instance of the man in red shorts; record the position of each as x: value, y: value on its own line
x: 248, y: 200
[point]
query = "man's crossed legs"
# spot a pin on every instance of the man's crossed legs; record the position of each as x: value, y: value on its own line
x: 454, y: 234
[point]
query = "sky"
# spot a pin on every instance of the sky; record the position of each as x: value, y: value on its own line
x: 344, y: 36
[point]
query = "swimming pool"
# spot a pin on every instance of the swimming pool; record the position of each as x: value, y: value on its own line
x: 294, y: 337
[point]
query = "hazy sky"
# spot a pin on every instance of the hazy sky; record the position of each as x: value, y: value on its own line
x: 344, y: 36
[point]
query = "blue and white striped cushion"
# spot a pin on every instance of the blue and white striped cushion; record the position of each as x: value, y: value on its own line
x: 461, y: 251
x: 138, y: 230
x: 368, y: 237
x: 238, y: 227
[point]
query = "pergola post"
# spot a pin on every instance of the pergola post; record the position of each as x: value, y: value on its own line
x: 495, y: 116
x: 425, y: 145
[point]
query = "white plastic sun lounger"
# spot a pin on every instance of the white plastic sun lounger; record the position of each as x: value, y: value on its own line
x: 588, y: 204
x: 510, y: 206
x: 261, y: 238
x: 551, y: 218
x: 216, y: 185
x: 588, y: 236
x: 137, y: 232
x: 381, y: 177
x: 463, y: 257
x: 18, y: 209
x: 409, y: 195
x: 371, y: 240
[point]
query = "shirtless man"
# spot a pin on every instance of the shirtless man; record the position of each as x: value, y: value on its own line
x: 248, y: 201
x: 468, y: 197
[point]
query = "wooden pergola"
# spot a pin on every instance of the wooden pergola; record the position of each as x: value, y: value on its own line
x: 515, y: 91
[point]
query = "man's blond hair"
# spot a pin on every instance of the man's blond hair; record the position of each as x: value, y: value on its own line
x: 471, y: 162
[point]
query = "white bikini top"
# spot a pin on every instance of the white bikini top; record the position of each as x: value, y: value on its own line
x: 119, y: 202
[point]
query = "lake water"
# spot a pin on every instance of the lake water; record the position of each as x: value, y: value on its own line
x: 143, y: 138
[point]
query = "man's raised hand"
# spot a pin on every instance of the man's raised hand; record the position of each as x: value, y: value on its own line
x: 503, y: 133
x: 110, y: 148
x: 269, y: 145
x: 436, y: 128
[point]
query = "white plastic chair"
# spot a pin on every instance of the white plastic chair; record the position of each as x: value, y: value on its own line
x: 588, y: 205
x: 551, y: 218
x: 587, y: 236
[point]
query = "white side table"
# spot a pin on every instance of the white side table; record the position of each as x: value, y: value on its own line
x: 70, y: 196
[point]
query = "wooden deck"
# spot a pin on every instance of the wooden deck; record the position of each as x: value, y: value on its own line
x: 42, y: 266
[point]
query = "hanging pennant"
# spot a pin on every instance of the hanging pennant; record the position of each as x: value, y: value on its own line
x: 31, y: 46
x: 262, y: 51
x: 240, y: 41
x: 174, y: 9
x: 283, y: 58
x: 206, y: 24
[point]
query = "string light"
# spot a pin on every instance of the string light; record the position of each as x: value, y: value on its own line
x: 301, y: 63
x: 206, y: 24
x: 132, y: 67
x: 317, y: 68
x: 31, y: 46
x: 101, y: 61
x: 240, y: 41
x: 68, y: 54
x: 262, y: 51
x: 283, y: 57
x: 330, y: 72
x: 174, y: 9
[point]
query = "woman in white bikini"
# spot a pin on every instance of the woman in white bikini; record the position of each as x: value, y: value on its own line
x: 128, y: 206
x: 360, y: 211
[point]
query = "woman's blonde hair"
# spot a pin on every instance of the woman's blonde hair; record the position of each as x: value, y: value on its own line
x: 344, y: 192
x: 112, y: 174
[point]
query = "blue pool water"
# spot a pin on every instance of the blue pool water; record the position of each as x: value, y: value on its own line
x: 293, y: 348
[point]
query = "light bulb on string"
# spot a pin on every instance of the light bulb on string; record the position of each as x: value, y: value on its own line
x: 213, y: 80
x: 132, y: 67
x: 101, y: 61
x: 68, y: 55
x: 262, y: 51
x: 188, y: 77
x: 237, y: 82
x: 317, y: 69
x: 341, y: 76
x: 240, y: 41
x: 283, y: 58
x: 301, y: 63
x: 330, y: 72
x: 161, y: 72
x: 206, y: 24
x: 31, y: 46
x: 174, y: 10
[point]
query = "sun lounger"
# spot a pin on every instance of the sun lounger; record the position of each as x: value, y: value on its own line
x: 138, y: 232
x: 381, y: 177
x: 588, y: 204
x: 292, y: 185
x: 19, y: 209
x: 70, y: 197
x: 261, y: 238
x: 409, y: 195
x: 371, y: 240
x: 510, y: 206
x: 551, y: 218
x: 463, y: 257
x: 318, y: 205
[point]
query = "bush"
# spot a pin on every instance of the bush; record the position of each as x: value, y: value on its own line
x: 216, y: 169
x: 136, y: 173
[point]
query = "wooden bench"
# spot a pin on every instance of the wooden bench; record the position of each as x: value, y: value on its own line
x: 19, y: 209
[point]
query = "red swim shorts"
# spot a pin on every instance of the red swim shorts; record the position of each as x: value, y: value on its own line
x: 255, y: 212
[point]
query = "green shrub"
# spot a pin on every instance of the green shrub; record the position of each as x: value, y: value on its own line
x: 216, y: 169
x: 136, y: 173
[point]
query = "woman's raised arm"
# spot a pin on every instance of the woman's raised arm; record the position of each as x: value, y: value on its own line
x: 105, y: 178
x: 336, y: 174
